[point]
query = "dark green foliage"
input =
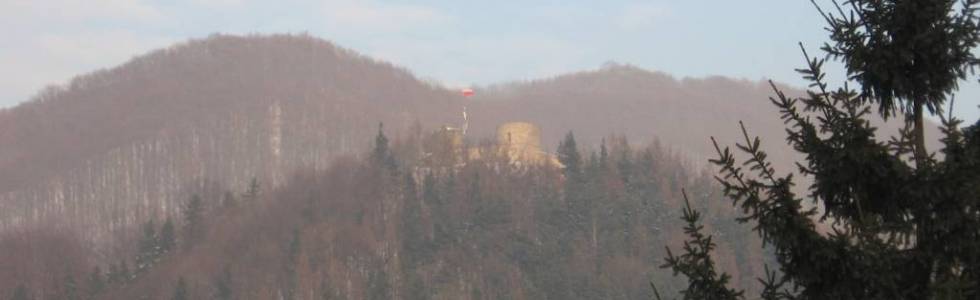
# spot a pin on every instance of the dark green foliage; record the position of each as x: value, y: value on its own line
x: 70, y: 288
x: 180, y: 290
x: 96, y: 283
x: 252, y: 193
x: 223, y: 285
x: 381, y: 155
x: 483, y: 228
x: 899, y: 231
x: 905, y: 53
x: 194, y: 218
x: 579, y: 205
x: 112, y: 275
x: 118, y: 273
x: 327, y: 292
x: 569, y: 156
x: 289, y: 266
x: 168, y: 237
x: 414, y: 242
x: 124, y: 274
x: 696, y: 264
x: 377, y: 286
x: 20, y: 293
x: 228, y: 199
x: 148, y: 248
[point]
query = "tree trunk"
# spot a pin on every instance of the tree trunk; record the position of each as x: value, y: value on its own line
x: 921, y: 154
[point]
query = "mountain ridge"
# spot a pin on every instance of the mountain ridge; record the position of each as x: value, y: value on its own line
x: 142, y: 136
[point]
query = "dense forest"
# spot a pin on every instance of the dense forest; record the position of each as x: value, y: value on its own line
x: 393, y: 225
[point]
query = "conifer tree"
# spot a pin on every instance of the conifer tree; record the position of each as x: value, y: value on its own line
x: 430, y: 192
x: 112, y: 275
x: 696, y: 263
x: 223, y: 285
x: 289, y: 266
x: 569, y: 157
x: 578, y: 206
x: 378, y: 286
x: 149, y: 247
x: 327, y: 291
x: 381, y: 155
x: 96, y: 283
x: 906, y: 55
x: 168, y: 237
x: 413, y: 235
x: 904, y: 223
x: 193, y: 220
x: 70, y: 288
x: 228, y: 199
x: 124, y: 273
x: 252, y: 193
x: 180, y: 290
x: 21, y: 293
x: 603, y: 156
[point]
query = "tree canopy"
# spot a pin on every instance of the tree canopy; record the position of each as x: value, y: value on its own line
x: 896, y: 230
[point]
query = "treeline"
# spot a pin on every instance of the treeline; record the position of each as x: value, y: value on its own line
x: 394, y: 225
x: 54, y: 262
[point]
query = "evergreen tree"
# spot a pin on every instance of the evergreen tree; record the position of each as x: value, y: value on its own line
x: 378, y: 286
x: 569, y: 157
x: 223, y: 285
x: 180, y: 290
x: 645, y: 186
x: 603, y: 156
x: 21, y: 293
x: 228, y: 199
x: 112, y: 276
x: 906, y: 55
x: 71, y: 288
x: 124, y: 274
x: 435, y: 195
x: 292, y: 260
x: 575, y: 198
x: 430, y: 192
x: 193, y: 220
x: 96, y: 283
x: 252, y: 193
x: 381, y: 155
x: 149, y: 248
x: 624, y: 163
x: 696, y: 263
x: 327, y: 292
x: 168, y: 238
x: 412, y: 233
x: 905, y: 223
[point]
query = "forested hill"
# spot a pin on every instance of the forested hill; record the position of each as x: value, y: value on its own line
x: 642, y: 105
x: 393, y: 225
x: 115, y: 148
x: 118, y: 146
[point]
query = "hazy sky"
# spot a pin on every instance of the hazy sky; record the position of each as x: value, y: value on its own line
x: 454, y: 42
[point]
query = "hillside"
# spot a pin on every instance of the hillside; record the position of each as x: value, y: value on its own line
x: 113, y: 149
x: 119, y: 145
x: 411, y: 229
x: 643, y: 105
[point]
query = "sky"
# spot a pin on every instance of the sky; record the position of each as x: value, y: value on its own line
x: 454, y: 42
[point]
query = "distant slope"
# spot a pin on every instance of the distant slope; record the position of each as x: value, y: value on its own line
x: 118, y: 146
x: 195, y: 82
x: 682, y: 113
x: 123, y: 144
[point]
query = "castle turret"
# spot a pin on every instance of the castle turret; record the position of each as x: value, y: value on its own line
x: 521, y: 142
